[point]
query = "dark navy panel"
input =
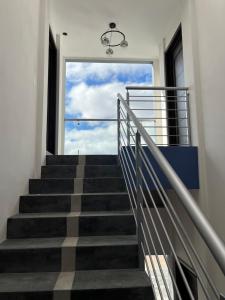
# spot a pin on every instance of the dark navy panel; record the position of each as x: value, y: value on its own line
x: 184, y: 161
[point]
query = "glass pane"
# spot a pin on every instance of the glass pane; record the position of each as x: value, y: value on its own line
x: 91, y: 93
x: 90, y: 137
x: 92, y: 88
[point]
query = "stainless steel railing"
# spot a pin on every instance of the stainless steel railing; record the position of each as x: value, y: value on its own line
x: 163, y: 112
x: 156, y: 239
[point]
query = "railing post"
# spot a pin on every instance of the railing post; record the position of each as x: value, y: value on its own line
x: 128, y: 120
x: 139, y: 199
x: 118, y: 126
x: 188, y: 117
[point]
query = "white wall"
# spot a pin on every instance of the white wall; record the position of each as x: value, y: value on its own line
x: 204, y: 59
x: 21, y: 99
x: 211, y: 41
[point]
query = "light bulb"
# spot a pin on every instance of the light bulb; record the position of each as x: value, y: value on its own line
x: 105, y: 41
x: 124, y: 44
x: 109, y: 51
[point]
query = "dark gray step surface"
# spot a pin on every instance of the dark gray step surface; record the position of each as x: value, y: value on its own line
x: 65, y: 186
x: 68, y: 171
x: 89, y: 285
x: 112, y: 284
x: 62, y: 203
x: 88, y: 253
x: 89, y: 159
x: 27, y: 286
x: 56, y: 224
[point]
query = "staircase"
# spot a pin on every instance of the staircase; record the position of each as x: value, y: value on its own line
x: 75, y: 236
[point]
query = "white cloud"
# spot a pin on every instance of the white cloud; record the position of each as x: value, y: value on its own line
x: 94, y: 101
x: 79, y: 72
x: 100, y: 101
x: 96, y: 141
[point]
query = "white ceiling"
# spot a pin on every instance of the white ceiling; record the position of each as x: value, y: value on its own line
x: 143, y: 21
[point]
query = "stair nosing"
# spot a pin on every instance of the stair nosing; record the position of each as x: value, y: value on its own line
x: 68, y: 214
x: 72, y: 194
x: 111, y: 241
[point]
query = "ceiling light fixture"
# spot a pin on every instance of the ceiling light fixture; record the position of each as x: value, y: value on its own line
x: 113, y: 38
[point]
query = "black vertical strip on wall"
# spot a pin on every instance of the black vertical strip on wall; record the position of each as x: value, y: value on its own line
x: 172, y: 114
x: 52, y: 84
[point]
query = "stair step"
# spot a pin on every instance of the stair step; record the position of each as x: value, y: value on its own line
x: 84, y: 253
x: 88, y: 285
x: 112, y: 284
x: 63, y: 224
x: 75, y: 159
x: 65, y: 203
x: 88, y: 171
x: 70, y: 186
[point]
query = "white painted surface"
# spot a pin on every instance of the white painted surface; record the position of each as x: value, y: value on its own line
x: 204, y: 62
x: 142, y: 21
x: 211, y: 37
x: 21, y: 97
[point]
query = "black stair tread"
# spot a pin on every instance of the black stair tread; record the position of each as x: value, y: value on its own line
x: 87, y: 155
x: 83, y: 280
x: 110, y: 279
x: 106, y: 213
x: 27, y: 282
x: 71, y: 179
x: 32, y: 243
x: 85, y: 165
x: 92, y: 241
x: 74, y: 159
x: 88, y: 241
x: 74, y: 194
x: 65, y: 214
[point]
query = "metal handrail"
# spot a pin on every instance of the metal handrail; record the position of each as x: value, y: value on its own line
x: 211, y: 238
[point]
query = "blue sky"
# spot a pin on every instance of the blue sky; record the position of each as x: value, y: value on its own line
x: 91, y: 90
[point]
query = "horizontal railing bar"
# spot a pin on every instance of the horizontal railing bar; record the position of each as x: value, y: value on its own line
x: 159, y: 109
x: 165, y: 135
x: 156, y: 88
x: 211, y: 238
x: 171, y: 135
x: 160, y: 243
x: 159, y: 101
x: 165, y: 283
x: 131, y: 127
x: 166, y: 235
x: 171, y: 211
x: 123, y: 114
x: 167, y: 144
x: 150, y: 119
x: 125, y: 163
x: 123, y: 171
x: 89, y: 120
x: 167, y: 203
x: 148, y: 271
x: 183, y: 127
x: 153, y: 269
x: 158, y: 96
x: 121, y: 110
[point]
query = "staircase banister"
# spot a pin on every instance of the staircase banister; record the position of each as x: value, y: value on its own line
x: 211, y: 238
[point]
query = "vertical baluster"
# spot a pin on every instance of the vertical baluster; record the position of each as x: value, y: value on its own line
x: 188, y: 117
x: 118, y: 126
x: 139, y: 199
x: 128, y: 120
